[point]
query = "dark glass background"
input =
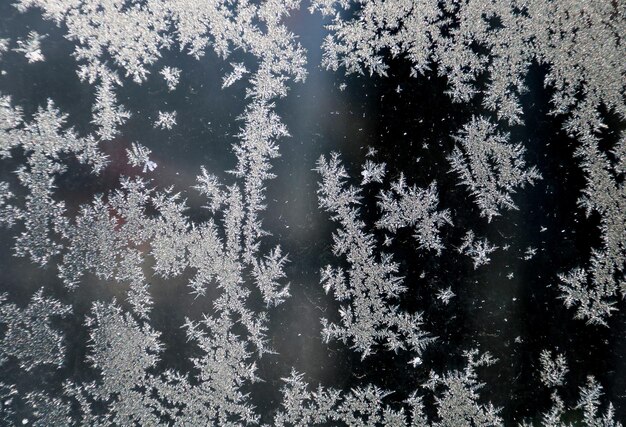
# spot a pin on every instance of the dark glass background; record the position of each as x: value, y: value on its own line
x: 514, y: 319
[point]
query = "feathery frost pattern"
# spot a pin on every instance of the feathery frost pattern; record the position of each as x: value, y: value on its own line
x: 128, y: 233
x: 490, y: 167
x: 370, y: 284
x: 455, y: 392
x: 416, y: 208
x: 580, y: 43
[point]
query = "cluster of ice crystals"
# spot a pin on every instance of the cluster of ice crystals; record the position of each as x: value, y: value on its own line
x: 501, y: 40
x: 594, y: 290
x: 29, y: 336
x: 135, y: 33
x: 129, y: 235
x: 467, y: 39
x: 368, y: 317
x: 553, y: 370
x: 45, y: 143
x: 113, y: 236
x: 456, y: 396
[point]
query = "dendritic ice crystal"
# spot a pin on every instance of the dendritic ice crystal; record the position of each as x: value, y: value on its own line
x: 31, y: 47
x: 138, y: 156
x: 490, y: 166
x: 163, y: 265
x: 165, y: 120
x: 171, y: 75
x: 478, y: 250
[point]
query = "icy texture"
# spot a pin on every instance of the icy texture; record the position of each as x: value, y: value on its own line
x: 580, y: 43
x: 371, y: 283
x: 490, y: 167
x: 139, y: 232
x: 455, y: 394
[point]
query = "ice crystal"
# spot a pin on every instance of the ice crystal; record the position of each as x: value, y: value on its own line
x: 371, y: 151
x: 445, y: 295
x: 238, y: 72
x: 372, y: 172
x: 553, y: 370
x: 171, y: 75
x: 490, y: 166
x: 31, y: 47
x: 589, y: 402
x: 262, y: 128
x: 478, y: 250
x: 166, y: 120
x: 139, y: 156
x: 8, y: 213
x: 107, y: 115
x: 8, y: 393
x: 367, y: 289
x: 268, y: 273
x: 4, y: 46
x: 529, y: 253
x: 414, y: 207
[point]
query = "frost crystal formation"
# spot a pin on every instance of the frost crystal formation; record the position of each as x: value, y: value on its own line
x: 166, y: 120
x: 31, y: 47
x: 171, y: 75
x: 490, y: 167
x: 371, y: 282
x: 443, y: 242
